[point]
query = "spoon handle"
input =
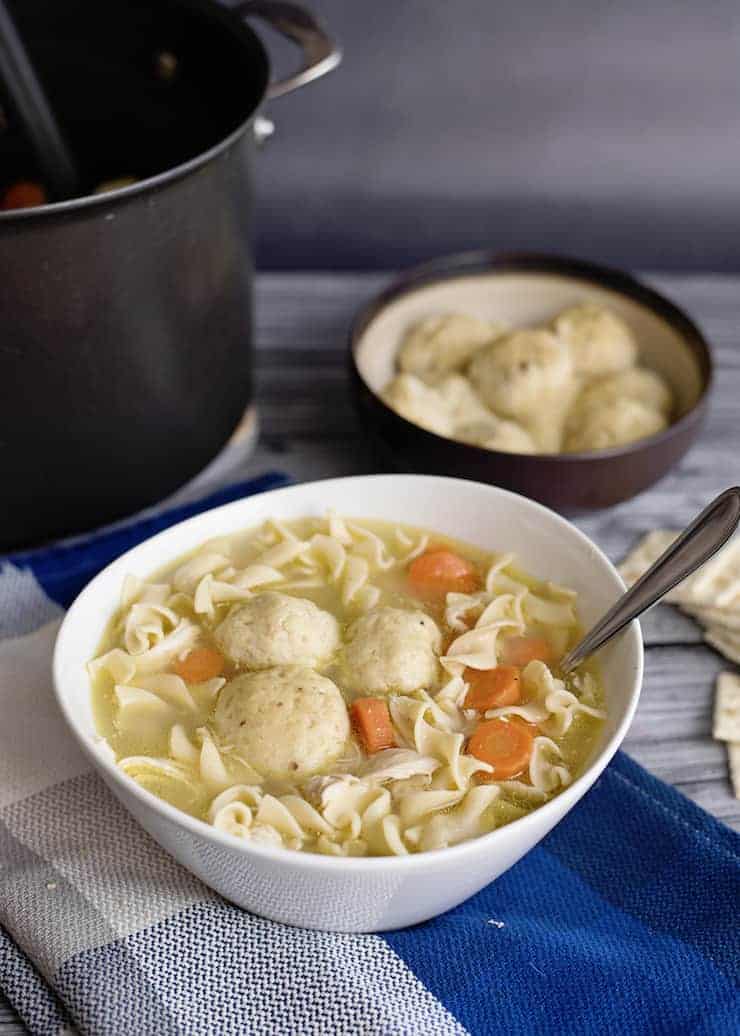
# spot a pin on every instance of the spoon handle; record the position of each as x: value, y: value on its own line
x: 696, y: 545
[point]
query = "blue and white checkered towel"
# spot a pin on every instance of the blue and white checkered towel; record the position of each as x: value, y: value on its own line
x: 625, y: 919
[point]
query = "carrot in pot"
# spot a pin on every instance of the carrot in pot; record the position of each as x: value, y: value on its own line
x: 24, y: 194
x: 439, y: 572
x: 507, y: 746
x: 372, y: 722
x: 520, y: 651
x: 200, y: 664
x: 492, y: 688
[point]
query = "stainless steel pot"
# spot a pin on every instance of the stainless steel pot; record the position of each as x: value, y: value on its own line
x: 126, y: 318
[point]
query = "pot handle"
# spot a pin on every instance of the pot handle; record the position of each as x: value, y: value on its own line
x: 320, y: 53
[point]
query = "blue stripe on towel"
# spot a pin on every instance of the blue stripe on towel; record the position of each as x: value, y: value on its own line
x: 624, y: 919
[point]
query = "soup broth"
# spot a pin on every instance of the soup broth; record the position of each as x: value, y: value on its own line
x: 346, y: 686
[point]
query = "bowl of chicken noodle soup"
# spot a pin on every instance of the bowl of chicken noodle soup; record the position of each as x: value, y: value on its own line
x: 340, y: 704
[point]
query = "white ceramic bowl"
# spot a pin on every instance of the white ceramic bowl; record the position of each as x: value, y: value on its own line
x: 364, y: 894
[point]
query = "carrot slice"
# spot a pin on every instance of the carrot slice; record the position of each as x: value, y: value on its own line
x: 520, y: 651
x: 372, y: 721
x: 200, y: 664
x: 439, y: 572
x: 25, y: 194
x: 506, y: 746
x: 492, y: 688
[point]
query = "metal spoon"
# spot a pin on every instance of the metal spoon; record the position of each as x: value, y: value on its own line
x: 696, y: 545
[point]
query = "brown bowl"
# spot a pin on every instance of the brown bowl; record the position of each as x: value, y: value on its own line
x: 522, y: 289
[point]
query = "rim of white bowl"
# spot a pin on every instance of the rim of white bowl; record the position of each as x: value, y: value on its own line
x: 318, y: 861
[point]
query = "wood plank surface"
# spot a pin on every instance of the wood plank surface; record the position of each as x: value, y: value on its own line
x: 309, y: 429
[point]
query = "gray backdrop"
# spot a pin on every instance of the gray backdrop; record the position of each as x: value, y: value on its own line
x: 608, y: 130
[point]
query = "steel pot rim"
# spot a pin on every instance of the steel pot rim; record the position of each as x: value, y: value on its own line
x: 313, y: 68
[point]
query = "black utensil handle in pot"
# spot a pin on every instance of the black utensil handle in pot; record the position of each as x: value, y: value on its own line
x: 320, y: 52
x: 33, y: 110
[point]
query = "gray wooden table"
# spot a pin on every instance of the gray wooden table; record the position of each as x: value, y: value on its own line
x: 310, y: 431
